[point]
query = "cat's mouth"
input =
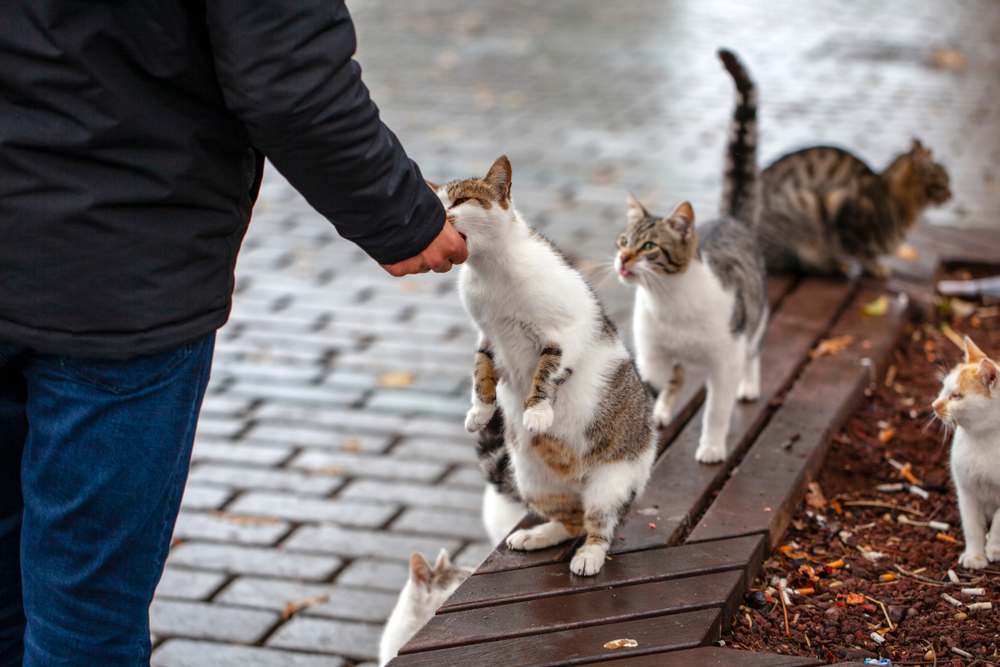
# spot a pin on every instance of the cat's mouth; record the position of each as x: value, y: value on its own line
x: 625, y: 273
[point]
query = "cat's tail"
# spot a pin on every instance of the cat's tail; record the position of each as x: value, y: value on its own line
x: 741, y: 181
x: 494, y: 459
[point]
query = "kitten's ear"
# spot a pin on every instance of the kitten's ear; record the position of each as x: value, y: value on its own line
x: 682, y: 219
x: 432, y: 185
x: 634, y: 210
x: 973, y: 355
x: 442, y: 562
x: 988, y: 374
x: 420, y: 569
x: 499, y: 177
x: 919, y: 151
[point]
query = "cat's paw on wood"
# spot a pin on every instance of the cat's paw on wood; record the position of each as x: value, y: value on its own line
x: 538, y: 418
x: 993, y: 552
x: 478, y: 416
x: 972, y: 560
x: 588, y: 560
x: 538, y: 537
x: 710, y: 452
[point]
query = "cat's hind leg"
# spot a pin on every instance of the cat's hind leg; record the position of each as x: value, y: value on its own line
x: 749, y: 389
x: 607, y: 497
x: 667, y: 376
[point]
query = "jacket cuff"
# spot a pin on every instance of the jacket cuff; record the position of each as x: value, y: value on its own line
x: 425, y: 222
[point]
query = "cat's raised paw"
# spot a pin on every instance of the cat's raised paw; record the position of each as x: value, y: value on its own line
x: 587, y: 561
x: 972, y: 561
x: 709, y: 452
x: 478, y: 416
x: 538, y: 418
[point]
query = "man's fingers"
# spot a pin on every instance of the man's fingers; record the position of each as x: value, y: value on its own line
x: 442, y: 267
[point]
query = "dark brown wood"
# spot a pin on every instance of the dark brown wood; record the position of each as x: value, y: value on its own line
x: 626, y: 569
x: 577, y: 610
x: 762, y: 493
x: 580, y: 645
x: 712, y: 656
x: 680, y: 487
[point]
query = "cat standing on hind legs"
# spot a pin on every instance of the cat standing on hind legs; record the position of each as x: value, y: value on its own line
x: 700, y: 292
x: 970, y: 402
x: 575, y: 415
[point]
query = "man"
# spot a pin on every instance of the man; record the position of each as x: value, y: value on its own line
x: 132, y: 137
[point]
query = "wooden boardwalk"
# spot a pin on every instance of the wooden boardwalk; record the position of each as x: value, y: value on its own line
x: 684, y: 556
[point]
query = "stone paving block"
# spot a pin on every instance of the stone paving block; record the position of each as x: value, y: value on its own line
x: 384, y: 575
x: 438, y: 427
x: 191, y: 653
x: 417, y: 402
x: 356, y: 640
x: 440, y: 522
x: 259, y: 370
x: 223, y: 405
x: 337, y: 419
x: 204, y: 497
x: 365, y: 543
x: 314, y: 436
x: 219, y: 427
x: 226, y: 527
x: 414, y: 494
x: 363, y: 465
x: 345, y: 603
x: 474, y: 554
x: 235, y: 453
x: 467, y: 476
x: 437, y: 449
x: 295, y: 393
x: 200, y: 620
x: 253, y: 560
x: 245, y: 477
x: 188, y: 584
x: 302, y: 508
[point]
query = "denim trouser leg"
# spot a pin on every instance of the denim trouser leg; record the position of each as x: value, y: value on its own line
x: 103, y: 468
x: 13, y: 430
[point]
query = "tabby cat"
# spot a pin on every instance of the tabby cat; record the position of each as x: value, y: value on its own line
x: 700, y: 292
x: 550, y: 365
x: 826, y: 211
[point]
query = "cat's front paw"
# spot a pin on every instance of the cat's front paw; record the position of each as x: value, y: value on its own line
x: 478, y: 416
x: 993, y: 552
x: 748, y: 391
x: 538, y: 418
x: 710, y: 452
x: 972, y: 560
x: 588, y: 560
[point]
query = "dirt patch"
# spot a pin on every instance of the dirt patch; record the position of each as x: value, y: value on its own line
x: 865, y: 575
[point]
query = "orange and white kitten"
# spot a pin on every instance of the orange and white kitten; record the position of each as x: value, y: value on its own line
x: 970, y: 402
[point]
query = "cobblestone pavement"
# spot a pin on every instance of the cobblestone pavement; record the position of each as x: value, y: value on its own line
x: 331, y: 442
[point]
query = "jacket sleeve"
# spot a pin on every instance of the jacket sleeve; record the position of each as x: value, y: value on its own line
x: 286, y: 70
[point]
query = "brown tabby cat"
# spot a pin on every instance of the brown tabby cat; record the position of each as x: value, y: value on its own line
x: 826, y: 211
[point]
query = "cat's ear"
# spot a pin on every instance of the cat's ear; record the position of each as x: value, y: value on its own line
x: 634, y: 210
x: 432, y: 185
x: 420, y: 569
x: 442, y: 562
x: 681, y: 219
x: 499, y: 177
x: 988, y: 374
x: 919, y: 151
x: 973, y: 355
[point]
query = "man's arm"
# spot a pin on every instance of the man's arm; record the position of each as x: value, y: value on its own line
x: 286, y: 71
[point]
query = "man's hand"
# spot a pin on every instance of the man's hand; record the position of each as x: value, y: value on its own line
x: 444, y: 251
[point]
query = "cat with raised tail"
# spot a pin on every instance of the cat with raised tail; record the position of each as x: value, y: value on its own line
x: 970, y: 403
x: 423, y: 594
x: 551, y: 375
x: 701, y: 297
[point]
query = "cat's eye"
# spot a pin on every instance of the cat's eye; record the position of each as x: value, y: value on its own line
x: 459, y: 202
x: 955, y: 396
x: 648, y: 245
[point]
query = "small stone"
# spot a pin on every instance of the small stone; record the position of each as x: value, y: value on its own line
x: 756, y: 600
x: 960, y: 616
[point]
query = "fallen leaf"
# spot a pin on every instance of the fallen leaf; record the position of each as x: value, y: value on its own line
x: 831, y: 346
x: 246, y: 519
x: 876, y: 308
x: 396, y: 379
x: 814, y: 496
x: 295, y: 606
x: 621, y: 643
x: 351, y: 445
x: 854, y: 598
x: 952, y: 60
x: 332, y: 471
x: 886, y: 435
x: 907, y: 252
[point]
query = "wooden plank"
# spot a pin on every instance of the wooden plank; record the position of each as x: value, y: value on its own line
x: 680, y: 487
x: 579, y: 645
x: 763, y: 492
x: 712, y: 656
x: 577, y: 610
x: 692, y: 396
x: 627, y: 569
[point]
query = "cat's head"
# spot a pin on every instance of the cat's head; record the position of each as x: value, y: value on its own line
x: 916, y: 178
x: 970, y: 395
x: 652, y: 246
x: 429, y: 585
x: 480, y: 208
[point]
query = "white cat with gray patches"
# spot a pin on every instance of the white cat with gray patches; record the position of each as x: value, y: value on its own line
x: 970, y: 403
x: 701, y: 296
x: 423, y: 594
x: 553, y: 381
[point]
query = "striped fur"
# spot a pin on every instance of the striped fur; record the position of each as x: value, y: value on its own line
x: 740, y: 183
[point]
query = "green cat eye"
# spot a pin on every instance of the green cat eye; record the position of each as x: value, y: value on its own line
x: 648, y: 245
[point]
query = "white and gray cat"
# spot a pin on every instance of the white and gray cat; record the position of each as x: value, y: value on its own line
x: 566, y: 416
x: 970, y: 402
x: 423, y: 594
x: 701, y: 296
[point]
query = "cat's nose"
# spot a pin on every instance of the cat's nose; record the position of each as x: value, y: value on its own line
x: 939, y: 406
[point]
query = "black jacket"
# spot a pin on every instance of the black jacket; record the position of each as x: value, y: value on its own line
x: 131, y: 144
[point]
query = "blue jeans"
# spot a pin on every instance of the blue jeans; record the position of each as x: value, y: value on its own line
x: 93, y: 459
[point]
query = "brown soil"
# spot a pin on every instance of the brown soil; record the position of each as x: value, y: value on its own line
x: 836, y: 620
